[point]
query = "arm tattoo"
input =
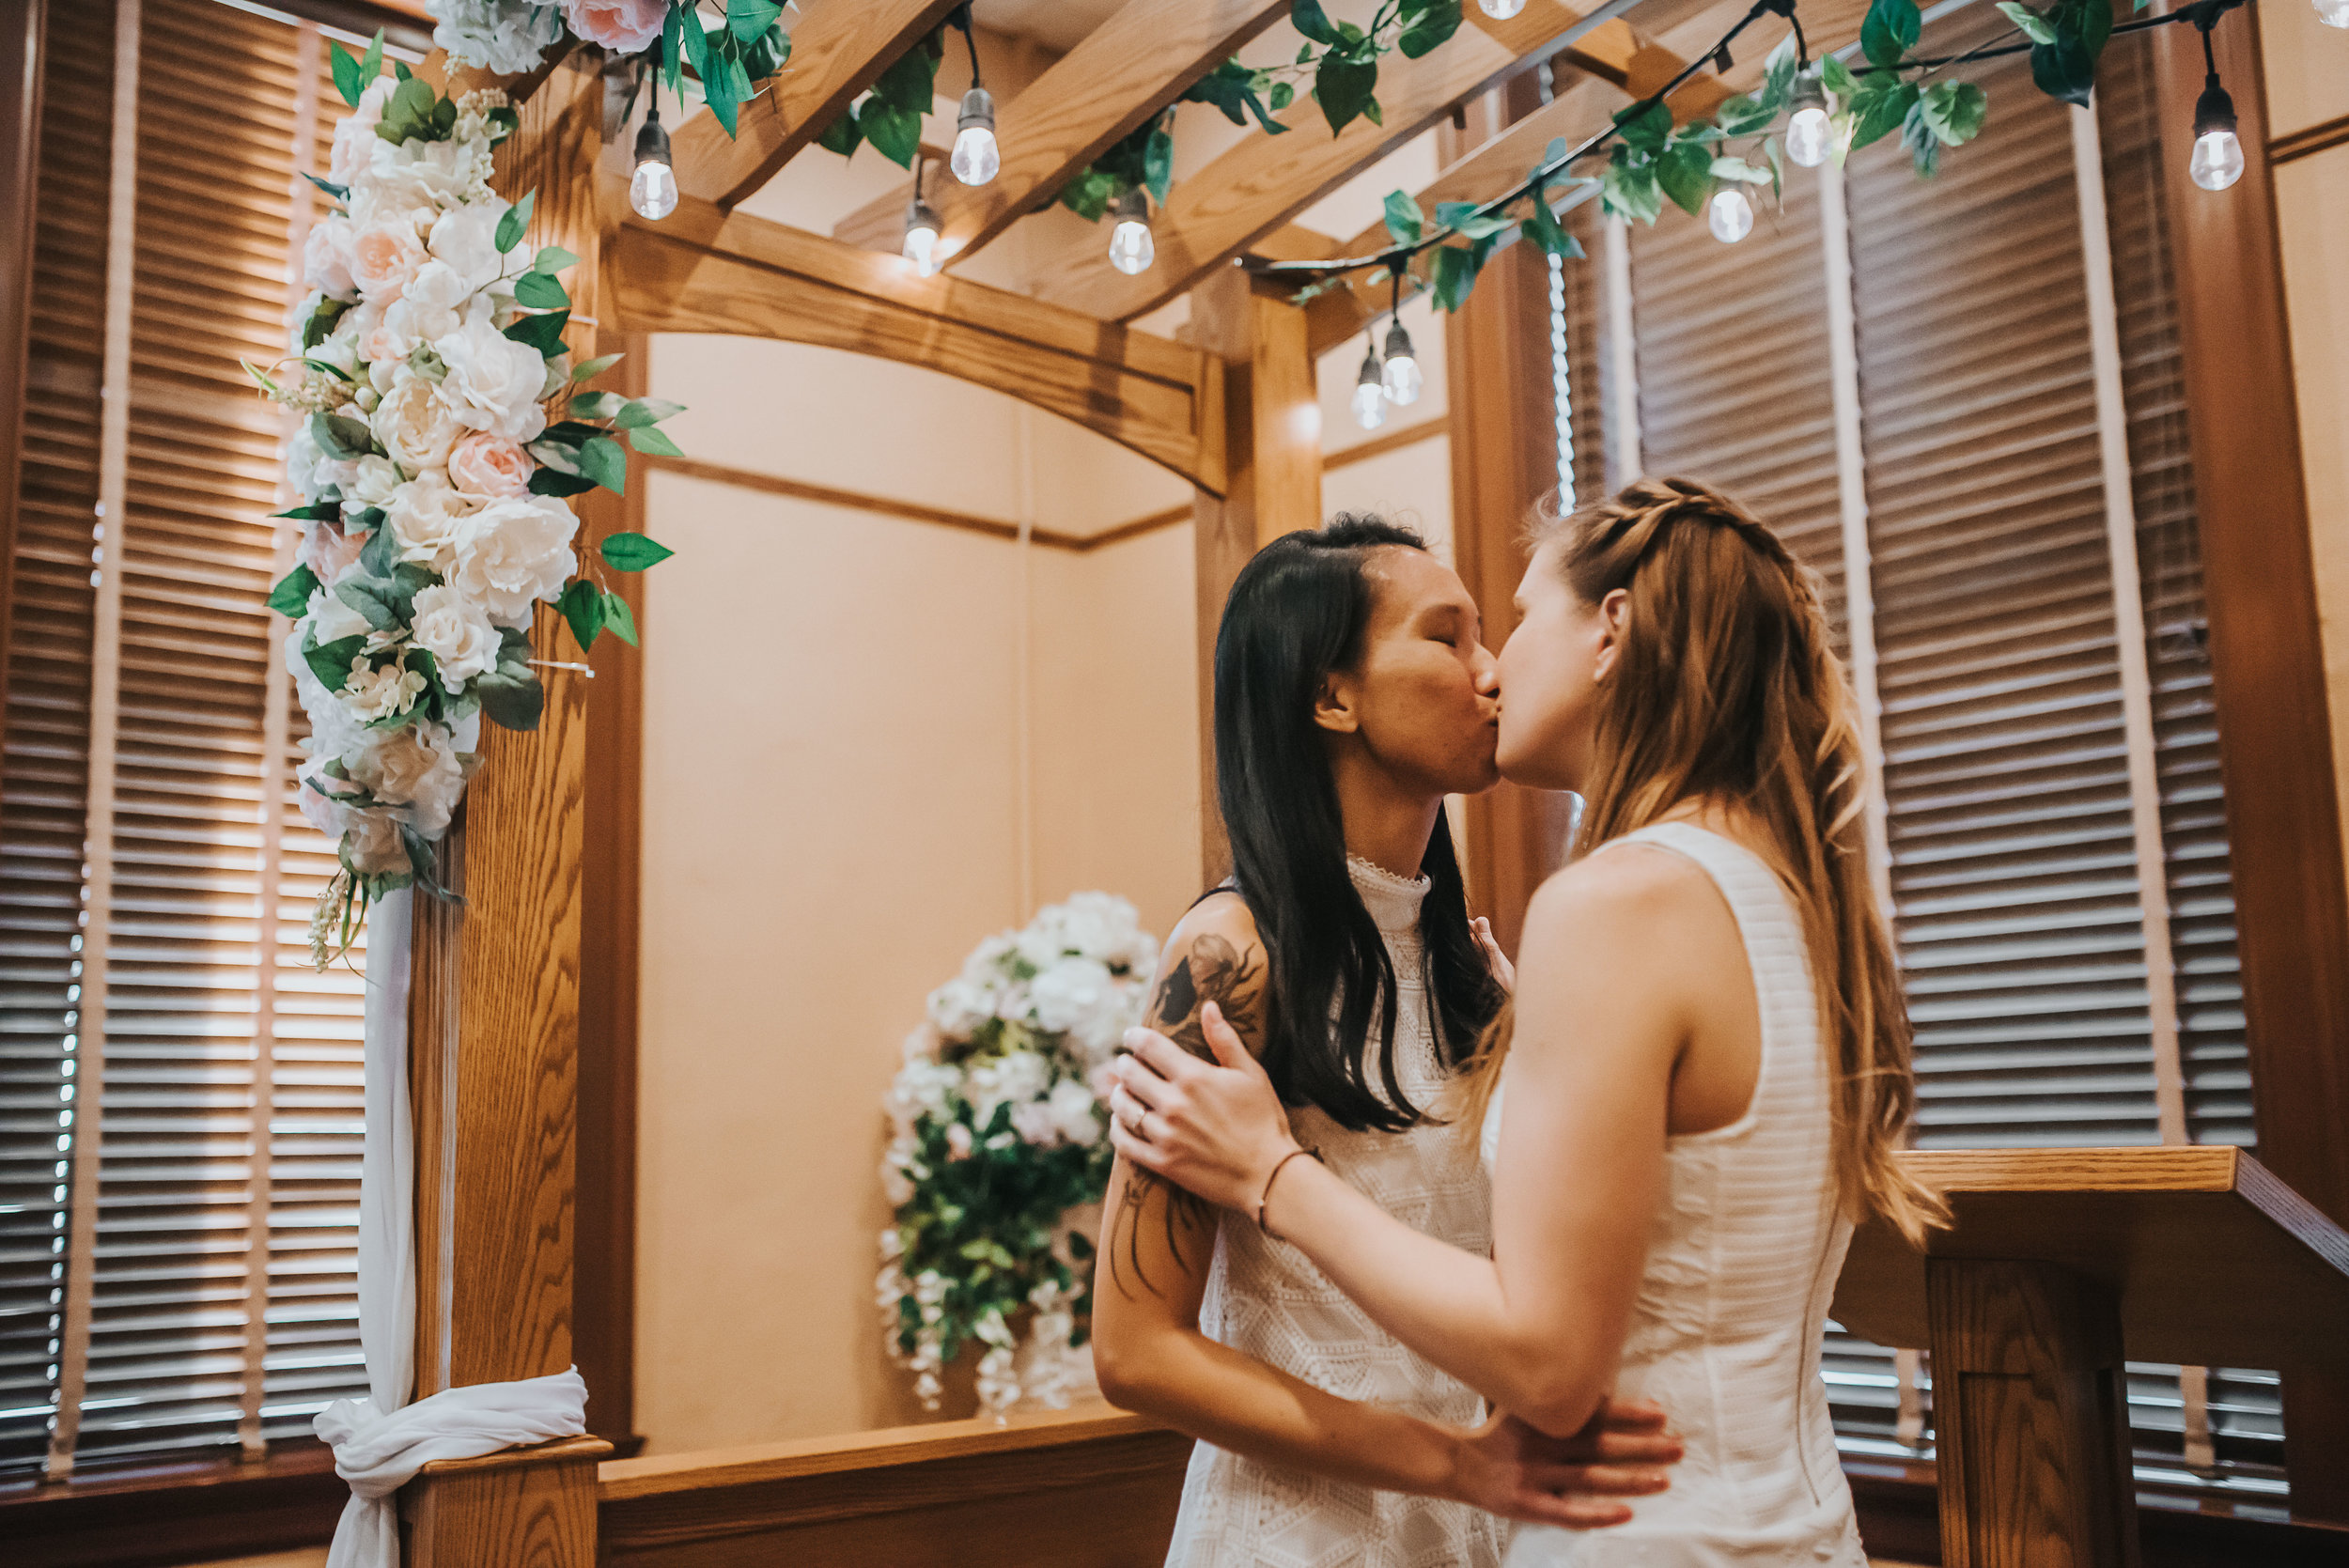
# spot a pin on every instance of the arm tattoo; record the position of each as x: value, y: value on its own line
x: 1212, y: 970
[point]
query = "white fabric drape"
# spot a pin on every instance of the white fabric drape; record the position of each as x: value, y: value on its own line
x: 379, y: 1442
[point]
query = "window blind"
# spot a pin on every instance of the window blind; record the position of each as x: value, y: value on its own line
x: 2005, y: 747
x: 220, y: 1270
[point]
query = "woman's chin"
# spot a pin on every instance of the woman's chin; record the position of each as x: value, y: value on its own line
x: 1531, y: 768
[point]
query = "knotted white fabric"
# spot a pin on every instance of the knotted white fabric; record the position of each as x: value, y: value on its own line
x: 381, y: 1441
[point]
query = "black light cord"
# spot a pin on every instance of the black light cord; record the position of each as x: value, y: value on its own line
x: 970, y: 39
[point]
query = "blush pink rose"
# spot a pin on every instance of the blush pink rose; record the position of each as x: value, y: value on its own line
x: 328, y: 551
x: 384, y: 257
x: 487, y: 464
x: 622, y: 26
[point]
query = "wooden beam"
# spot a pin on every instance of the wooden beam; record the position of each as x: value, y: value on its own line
x: 1123, y: 72
x: 1264, y: 181
x: 703, y: 270
x: 837, y: 49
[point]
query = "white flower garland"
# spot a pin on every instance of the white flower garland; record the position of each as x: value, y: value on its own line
x: 428, y: 357
x: 998, y: 1147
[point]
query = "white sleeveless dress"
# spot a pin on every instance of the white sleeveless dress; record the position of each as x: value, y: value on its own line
x: 1727, y: 1329
x: 1265, y: 1299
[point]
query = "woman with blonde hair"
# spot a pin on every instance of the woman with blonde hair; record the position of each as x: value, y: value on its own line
x: 1705, y: 1071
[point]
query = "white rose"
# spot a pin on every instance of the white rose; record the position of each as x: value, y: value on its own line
x: 413, y: 182
x: 453, y: 630
x: 440, y: 288
x: 371, y: 843
x: 415, y: 423
x: 326, y: 257
x: 375, y: 481
x: 1071, y: 993
x: 339, y: 350
x: 305, y: 464
x: 355, y: 136
x: 371, y: 693
x: 959, y: 1007
x: 1073, y: 1114
x: 492, y: 382
x: 384, y: 257
x: 1014, y: 1077
x: 514, y: 552
x: 425, y: 515
x: 414, y: 767
x: 464, y: 242
x: 1033, y: 1122
x: 332, y: 620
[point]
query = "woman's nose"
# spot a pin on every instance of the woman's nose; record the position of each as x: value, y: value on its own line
x: 1487, y: 672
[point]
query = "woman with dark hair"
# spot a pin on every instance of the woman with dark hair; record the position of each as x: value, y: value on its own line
x: 1352, y: 694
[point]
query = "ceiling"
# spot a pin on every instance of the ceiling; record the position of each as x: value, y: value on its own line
x: 1057, y: 24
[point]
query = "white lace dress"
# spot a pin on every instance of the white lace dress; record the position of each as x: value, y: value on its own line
x: 1726, y: 1332
x: 1265, y: 1299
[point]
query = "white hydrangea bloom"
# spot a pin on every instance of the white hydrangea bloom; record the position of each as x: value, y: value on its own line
x: 503, y: 36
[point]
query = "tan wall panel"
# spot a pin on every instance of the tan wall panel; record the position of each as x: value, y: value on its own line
x: 2307, y: 65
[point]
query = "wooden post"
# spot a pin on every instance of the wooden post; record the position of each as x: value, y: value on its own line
x: 2030, y: 1416
x: 1503, y: 424
x: 1272, y: 420
x: 494, y: 1023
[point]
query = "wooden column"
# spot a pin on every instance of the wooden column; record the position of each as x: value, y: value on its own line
x: 2030, y: 1416
x: 1504, y: 432
x: 1272, y: 420
x: 494, y: 1020
x: 2267, y: 667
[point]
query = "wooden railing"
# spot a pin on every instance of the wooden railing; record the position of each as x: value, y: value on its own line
x: 1090, y: 1487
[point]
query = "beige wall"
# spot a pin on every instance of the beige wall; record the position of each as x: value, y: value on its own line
x: 2308, y: 84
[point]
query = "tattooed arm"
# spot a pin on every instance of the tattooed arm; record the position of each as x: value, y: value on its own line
x: 1155, y: 1247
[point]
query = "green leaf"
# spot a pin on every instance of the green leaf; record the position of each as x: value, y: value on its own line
x: 620, y: 618
x: 330, y: 663
x: 1778, y: 79
x: 1837, y: 78
x: 509, y: 698
x: 1924, y: 148
x: 1686, y: 173
x: 1308, y: 18
x: 726, y: 89
x: 1630, y: 190
x: 1404, y: 220
x: 291, y: 596
x: 1157, y: 162
x: 602, y: 461
x: 647, y: 411
x: 553, y: 258
x: 1954, y: 111
x: 1878, y: 113
x: 1740, y: 170
x: 1543, y: 228
x: 1372, y: 113
x: 908, y: 84
x: 378, y: 556
x: 1453, y: 274
x: 554, y: 482
x: 341, y: 436
x: 1644, y: 130
x: 1742, y: 116
x: 1089, y: 194
x: 502, y: 123
x: 371, y: 597
x: 748, y: 20
x: 842, y: 136
x: 594, y: 368
x: 895, y: 133
x: 1282, y: 96
x: 542, y: 333
x: 581, y: 604
x: 633, y: 552
x: 2035, y: 27
x: 318, y: 511
x: 1462, y: 218
x: 596, y: 405
x: 516, y: 219
x: 1343, y: 87
x: 540, y: 291
x: 766, y: 54
x: 348, y: 80
x: 1434, y: 24
x: 340, y: 193
x: 654, y: 443
x: 1890, y: 30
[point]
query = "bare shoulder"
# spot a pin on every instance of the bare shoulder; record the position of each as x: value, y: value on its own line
x: 1213, y: 954
x: 1625, y: 889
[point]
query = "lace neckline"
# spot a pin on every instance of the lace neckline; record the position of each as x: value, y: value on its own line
x: 1392, y: 901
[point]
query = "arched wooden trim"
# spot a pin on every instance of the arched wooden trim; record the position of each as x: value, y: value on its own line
x: 703, y: 270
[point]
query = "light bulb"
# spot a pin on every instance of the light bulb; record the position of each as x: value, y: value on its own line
x: 1730, y: 216
x: 1131, y: 249
x: 1370, y: 393
x: 2218, y: 160
x: 1500, y: 11
x: 1808, y: 134
x: 2333, y: 13
x: 1400, y: 375
x: 921, y: 246
x: 652, y: 189
x: 975, y: 159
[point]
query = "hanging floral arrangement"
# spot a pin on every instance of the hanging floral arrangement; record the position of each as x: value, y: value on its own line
x: 445, y: 424
x: 1000, y: 1147
x: 732, y: 51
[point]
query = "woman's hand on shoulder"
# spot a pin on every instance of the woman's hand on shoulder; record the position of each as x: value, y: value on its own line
x: 1213, y: 955
x: 1509, y: 1468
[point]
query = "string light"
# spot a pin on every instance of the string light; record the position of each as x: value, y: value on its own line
x: 1500, y: 11
x: 2218, y: 160
x: 1131, y: 249
x: 1401, y: 375
x: 1730, y: 216
x: 1809, y: 132
x: 975, y: 158
x: 922, y: 227
x: 652, y: 189
x: 1370, y: 393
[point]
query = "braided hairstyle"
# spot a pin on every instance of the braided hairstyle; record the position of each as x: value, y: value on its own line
x: 1727, y: 686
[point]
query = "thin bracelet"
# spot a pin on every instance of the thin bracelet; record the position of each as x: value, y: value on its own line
x: 1314, y: 1153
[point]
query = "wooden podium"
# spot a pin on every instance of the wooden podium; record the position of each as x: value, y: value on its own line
x: 2058, y: 1259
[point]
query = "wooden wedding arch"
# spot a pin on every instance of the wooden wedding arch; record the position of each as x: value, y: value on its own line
x: 1232, y: 409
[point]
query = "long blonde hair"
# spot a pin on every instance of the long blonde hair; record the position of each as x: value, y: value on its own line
x: 1726, y: 686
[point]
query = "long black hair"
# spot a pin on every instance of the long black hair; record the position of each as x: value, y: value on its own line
x: 1299, y: 610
